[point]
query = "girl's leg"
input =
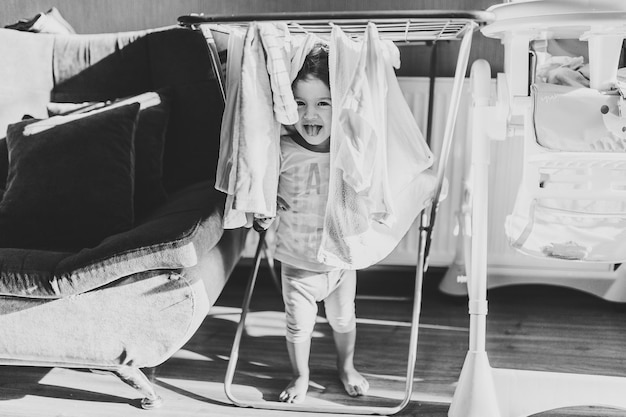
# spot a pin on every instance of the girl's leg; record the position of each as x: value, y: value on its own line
x: 296, y: 391
x: 340, y: 313
x: 299, y: 295
x: 353, y: 382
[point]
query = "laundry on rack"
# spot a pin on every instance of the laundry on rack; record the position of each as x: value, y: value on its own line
x: 260, y: 68
x: 360, y: 86
x: 379, y: 180
x: 225, y: 176
x: 277, y: 46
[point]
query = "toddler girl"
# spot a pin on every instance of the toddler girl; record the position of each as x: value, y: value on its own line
x: 302, y: 196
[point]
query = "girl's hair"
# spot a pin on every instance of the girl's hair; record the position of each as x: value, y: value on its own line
x: 315, y: 65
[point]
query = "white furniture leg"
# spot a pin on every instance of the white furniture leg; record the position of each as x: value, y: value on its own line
x: 483, y: 391
x: 475, y: 394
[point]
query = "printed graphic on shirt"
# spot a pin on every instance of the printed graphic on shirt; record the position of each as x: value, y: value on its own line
x: 314, y: 184
x: 303, y: 185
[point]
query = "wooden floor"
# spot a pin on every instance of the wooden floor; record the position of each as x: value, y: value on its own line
x: 530, y: 327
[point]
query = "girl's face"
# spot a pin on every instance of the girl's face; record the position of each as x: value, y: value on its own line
x: 314, y: 109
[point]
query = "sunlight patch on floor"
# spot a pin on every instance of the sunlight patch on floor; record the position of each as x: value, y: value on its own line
x: 255, y: 374
x: 399, y: 378
x: 415, y: 396
x: 261, y: 364
x: 376, y: 322
x: 259, y: 323
x: 394, y: 298
x: 272, y: 323
x: 190, y: 356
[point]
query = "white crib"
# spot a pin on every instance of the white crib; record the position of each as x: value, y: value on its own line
x: 484, y: 391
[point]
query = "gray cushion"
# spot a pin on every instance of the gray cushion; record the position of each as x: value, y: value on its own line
x: 173, y: 237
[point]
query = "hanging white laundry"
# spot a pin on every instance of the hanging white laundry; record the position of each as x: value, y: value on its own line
x: 258, y: 148
x: 260, y: 69
x: 227, y: 161
x: 362, y: 116
x: 277, y: 45
x: 301, y: 46
x: 379, y: 180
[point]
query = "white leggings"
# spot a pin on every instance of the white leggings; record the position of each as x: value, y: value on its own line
x: 302, y: 290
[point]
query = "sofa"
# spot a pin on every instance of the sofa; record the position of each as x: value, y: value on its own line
x: 112, y: 249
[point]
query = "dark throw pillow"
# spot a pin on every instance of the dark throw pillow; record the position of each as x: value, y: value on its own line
x: 149, y: 144
x: 69, y: 185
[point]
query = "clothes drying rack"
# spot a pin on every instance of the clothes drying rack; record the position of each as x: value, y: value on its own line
x: 403, y: 28
x: 484, y: 391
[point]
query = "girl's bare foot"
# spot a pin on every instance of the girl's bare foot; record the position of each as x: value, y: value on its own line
x: 296, y: 390
x: 353, y: 382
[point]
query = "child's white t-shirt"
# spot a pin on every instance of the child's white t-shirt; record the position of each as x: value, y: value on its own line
x: 303, y: 185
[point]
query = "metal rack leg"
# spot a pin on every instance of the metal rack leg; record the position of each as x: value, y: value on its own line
x: 234, y: 353
x: 269, y: 258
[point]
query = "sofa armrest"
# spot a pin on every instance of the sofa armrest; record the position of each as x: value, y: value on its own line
x: 171, y: 238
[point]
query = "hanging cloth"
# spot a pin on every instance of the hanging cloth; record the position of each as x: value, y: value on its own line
x: 260, y: 68
x: 379, y: 180
x: 227, y: 161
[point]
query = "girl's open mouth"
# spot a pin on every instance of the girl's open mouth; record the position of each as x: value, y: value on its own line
x: 312, y: 130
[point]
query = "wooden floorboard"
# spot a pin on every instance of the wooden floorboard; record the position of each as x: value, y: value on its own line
x: 530, y: 327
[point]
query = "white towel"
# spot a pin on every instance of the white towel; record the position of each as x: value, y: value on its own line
x: 259, y: 133
x: 277, y: 45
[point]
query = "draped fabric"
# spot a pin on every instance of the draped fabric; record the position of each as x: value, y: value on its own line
x: 379, y: 162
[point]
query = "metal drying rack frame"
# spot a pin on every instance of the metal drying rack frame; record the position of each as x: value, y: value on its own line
x: 407, y: 27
